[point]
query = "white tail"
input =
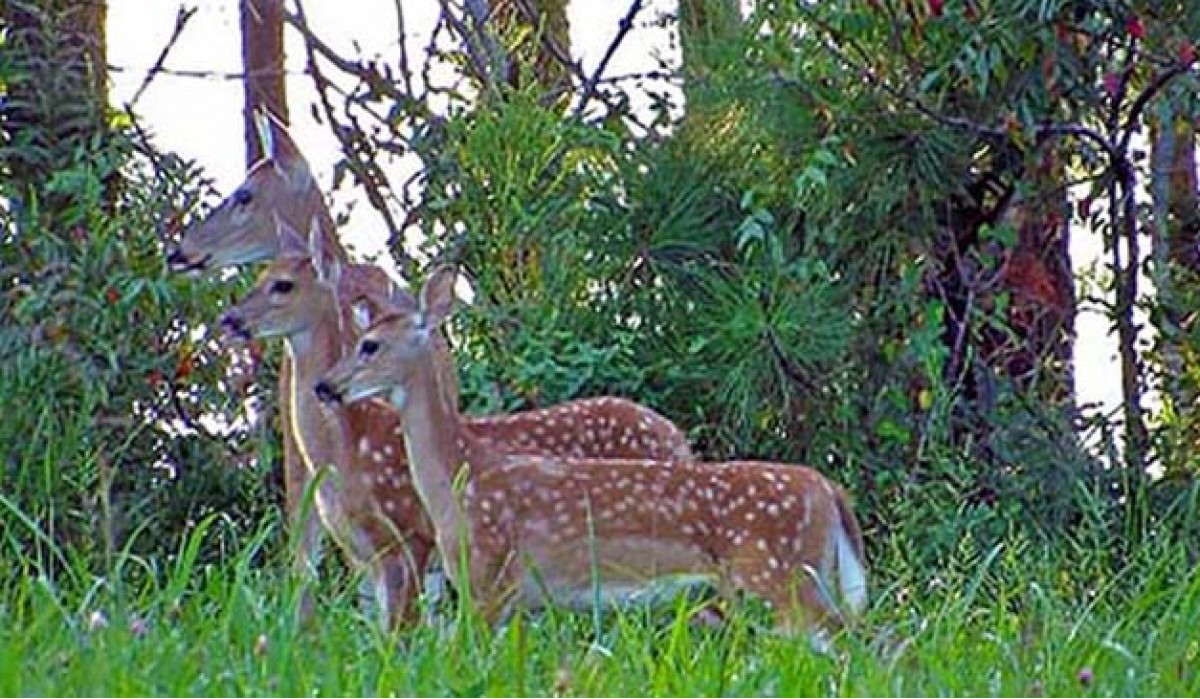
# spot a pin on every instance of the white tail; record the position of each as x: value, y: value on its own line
x: 533, y: 529
x: 851, y: 564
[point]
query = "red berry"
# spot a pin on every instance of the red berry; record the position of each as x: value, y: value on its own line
x: 1112, y: 83
x: 1135, y: 27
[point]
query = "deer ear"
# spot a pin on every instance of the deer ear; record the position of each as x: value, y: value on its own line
x: 266, y: 134
x: 286, y: 156
x: 362, y: 314
x: 322, y: 260
x: 437, y: 296
x: 332, y: 274
x: 402, y: 300
x: 290, y: 240
x: 299, y: 177
x: 280, y: 149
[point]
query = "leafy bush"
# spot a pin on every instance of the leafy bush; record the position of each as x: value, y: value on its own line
x: 768, y: 271
x: 123, y: 428
x: 738, y: 295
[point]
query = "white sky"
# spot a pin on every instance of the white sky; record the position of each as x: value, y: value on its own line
x: 202, y: 118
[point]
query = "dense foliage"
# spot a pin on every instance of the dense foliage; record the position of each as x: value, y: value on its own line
x: 827, y: 258
x: 123, y: 427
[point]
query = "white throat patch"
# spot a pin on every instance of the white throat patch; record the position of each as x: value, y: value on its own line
x: 399, y: 397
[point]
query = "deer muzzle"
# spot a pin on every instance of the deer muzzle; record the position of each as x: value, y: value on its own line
x: 178, y: 261
x: 233, y: 324
x: 327, y: 394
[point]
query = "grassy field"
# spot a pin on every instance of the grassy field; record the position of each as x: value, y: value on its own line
x: 1008, y: 621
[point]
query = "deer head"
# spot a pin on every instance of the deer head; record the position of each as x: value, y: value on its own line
x: 289, y: 294
x: 384, y: 358
x: 241, y: 229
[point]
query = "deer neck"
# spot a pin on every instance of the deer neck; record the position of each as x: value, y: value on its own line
x: 312, y: 351
x: 431, y: 440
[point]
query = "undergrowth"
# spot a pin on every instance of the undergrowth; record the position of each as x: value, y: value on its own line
x: 1010, y: 620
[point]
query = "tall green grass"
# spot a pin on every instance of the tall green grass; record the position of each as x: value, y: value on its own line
x: 1011, y: 620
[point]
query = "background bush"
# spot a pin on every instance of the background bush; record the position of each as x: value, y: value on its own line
x: 763, y: 270
x: 123, y: 424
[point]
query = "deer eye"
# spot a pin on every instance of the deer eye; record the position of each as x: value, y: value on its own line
x: 242, y: 197
x: 366, y: 348
x: 283, y: 286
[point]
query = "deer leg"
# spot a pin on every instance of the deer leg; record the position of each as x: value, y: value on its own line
x: 302, y: 518
x: 796, y: 599
x: 498, y: 593
x: 806, y: 606
x: 379, y: 590
x: 403, y: 581
x: 305, y: 564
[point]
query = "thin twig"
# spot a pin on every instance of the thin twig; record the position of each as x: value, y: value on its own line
x: 482, y: 48
x: 623, y: 29
x: 1139, y: 103
x: 789, y: 367
x: 366, y: 178
x: 401, y: 29
x: 550, y: 44
x: 199, y: 74
x: 181, y: 19
x: 641, y: 75
x: 314, y: 44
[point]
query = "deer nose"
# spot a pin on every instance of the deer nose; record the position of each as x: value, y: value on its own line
x: 177, y: 261
x: 234, y: 325
x: 326, y: 393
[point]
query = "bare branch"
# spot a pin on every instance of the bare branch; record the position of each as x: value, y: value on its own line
x: 623, y: 29
x: 366, y: 171
x: 402, y: 32
x: 181, y: 19
x: 1139, y: 103
x: 194, y: 73
x: 315, y: 45
x: 484, y: 51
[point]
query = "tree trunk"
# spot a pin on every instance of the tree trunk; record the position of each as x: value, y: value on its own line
x: 1037, y: 275
x: 1176, y: 275
x: 56, y: 99
x: 1010, y: 309
x: 262, y: 60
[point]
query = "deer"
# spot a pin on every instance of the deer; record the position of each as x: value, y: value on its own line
x: 524, y: 531
x: 369, y: 506
x: 240, y: 231
x: 243, y: 230
x: 366, y: 503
